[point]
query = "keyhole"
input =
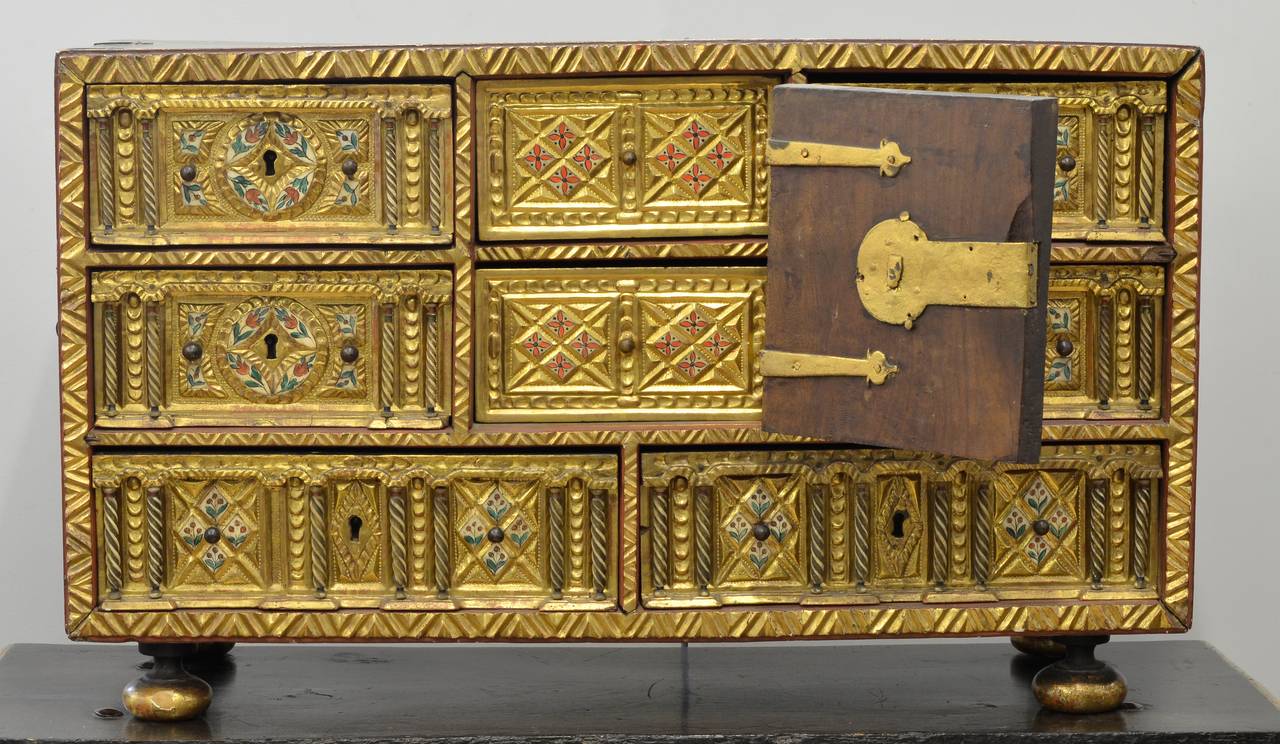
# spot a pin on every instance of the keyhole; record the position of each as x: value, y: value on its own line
x: 899, y: 519
x: 269, y: 162
x: 355, y: 523
x: 270, y: 340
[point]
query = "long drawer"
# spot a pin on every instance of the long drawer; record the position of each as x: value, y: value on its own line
x: 867, y: 526
x: 272, y: 348
x: 288, y: 164
x: 288, y: 530
x: 623, y: 157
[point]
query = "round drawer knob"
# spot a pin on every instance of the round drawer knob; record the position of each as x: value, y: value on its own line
x: 192, y: 351
x: 496, y: 534
x: 1067, y: 163
x: 629, y: 157
x: 1040, y: 526
x: 350, y: 353
x: 349, y: 167
x: 212, y: 535
x: 1064, y: 347
x: 760, y: 531
x: 626, y: 344
x: 188, y: 173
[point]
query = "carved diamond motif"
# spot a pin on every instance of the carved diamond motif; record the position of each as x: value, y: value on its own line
x: 1036, y: 502
x: 744, y: 556
x: 509, y: 512
x: 212, y: 507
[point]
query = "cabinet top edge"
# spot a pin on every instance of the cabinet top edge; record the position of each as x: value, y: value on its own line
x: 136, y: 61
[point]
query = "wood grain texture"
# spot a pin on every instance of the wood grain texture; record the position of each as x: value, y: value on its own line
x: 971, y: 379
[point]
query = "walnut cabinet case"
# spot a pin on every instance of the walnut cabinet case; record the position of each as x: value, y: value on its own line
x: 594, y: 342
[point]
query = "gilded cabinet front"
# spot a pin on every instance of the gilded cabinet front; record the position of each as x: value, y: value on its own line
x: 870, y: 526
x: 238, y: 164
x: 396, y: 532
x: 185, y: 348
x: 620, y: 343
x: 1102, y: 353
x: 635, y: 157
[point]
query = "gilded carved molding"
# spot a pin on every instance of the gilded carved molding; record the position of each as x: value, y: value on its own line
x: 305, y: 163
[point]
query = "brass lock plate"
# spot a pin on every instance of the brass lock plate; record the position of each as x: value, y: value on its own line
x: 874, y: 366
x: 888, y: 157
x: 901, y: 272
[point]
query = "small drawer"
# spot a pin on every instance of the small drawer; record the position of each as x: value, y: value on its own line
x: 234, y: 164
x: 272, y: 348
x: 1105, y: 337
x: 620, y: 344
x: 389, y: 531
x: 623, y: 158
x: 1109, y: 181
x: 866, y: 526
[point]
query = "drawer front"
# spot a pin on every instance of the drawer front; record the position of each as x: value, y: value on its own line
x: 620, y: 344
x: 619, y: 158
x: 272, y: 348
x: 389, y: 531
x: 866, y: 526
x: 1103, y: 347
x: 286, y: 164
x: 1109, y: 181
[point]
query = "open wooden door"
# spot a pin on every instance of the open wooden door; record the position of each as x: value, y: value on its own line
x: 908, y: 268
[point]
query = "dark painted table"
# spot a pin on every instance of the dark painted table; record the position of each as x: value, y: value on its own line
x: 1180, y: 691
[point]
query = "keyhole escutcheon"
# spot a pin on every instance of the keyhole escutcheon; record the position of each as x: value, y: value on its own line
x: 354, y: 523
x: 270, y: 340
x: 899, y: 520
x: 269, y: 162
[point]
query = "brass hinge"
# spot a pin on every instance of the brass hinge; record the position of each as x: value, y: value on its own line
x: 901, y: 272
x: 875, y: 367
x: 888, y: 157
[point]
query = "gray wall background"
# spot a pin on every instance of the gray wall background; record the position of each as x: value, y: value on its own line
x: 1237, y: 603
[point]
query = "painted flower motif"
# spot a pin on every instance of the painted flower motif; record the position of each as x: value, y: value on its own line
x: 565, y: 180
x: 562, y: 136
x: 692, y: 365
x: 560, y: 365
x: 696, y: 134
x: 588, y: 158
x: 585, y: 345
x: 255, y: 199
x: 348, y: 140
x: 668, y: 344
x: 254, y: 134
x: 717, y: 344
x: 537, y: 158
x: 189, y: 141
x: 671, y: 156
x: 560, y: 323
x: 720, y: 156
x: 694, y: 323
x: 291, y: 138
x: 696, y: 179
x: 536, y: 345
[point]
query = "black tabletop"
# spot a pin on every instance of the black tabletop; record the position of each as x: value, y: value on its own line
x: 1180, y: 691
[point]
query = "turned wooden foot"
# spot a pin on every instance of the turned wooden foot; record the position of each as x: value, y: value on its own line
x: 1080, y: 683
x: 1043, y: 646
x: 167, y: 691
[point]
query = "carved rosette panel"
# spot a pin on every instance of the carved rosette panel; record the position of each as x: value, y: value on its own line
x: 620, y: 344
x: 242, y: 164
x: 1109, y: 180
x: 186, y: 348
x: 868, y: 526
x: 396, y: 532
x: 1103, y: 352
x: 677, y: 156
